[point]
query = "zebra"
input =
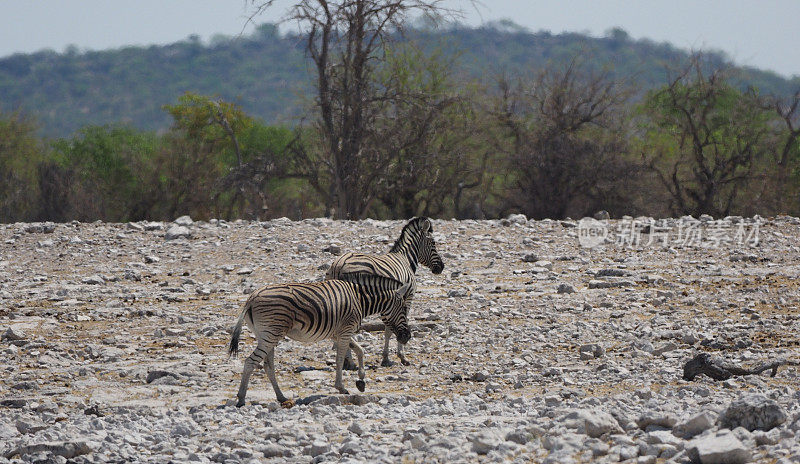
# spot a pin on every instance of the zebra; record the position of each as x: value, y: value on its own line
x: 311, y: 312
x: 415, y: 245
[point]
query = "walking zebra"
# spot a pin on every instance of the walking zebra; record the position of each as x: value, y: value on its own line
x: 311, y: 312
x: 415, y: 245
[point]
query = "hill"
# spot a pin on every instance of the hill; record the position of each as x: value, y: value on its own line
x: 267, y: 72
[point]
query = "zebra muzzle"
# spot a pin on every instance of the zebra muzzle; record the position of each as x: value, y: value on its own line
x: 437, y: 268
x: 403, y: 335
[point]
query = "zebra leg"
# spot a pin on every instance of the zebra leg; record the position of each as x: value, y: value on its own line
x: 401, y: 355
x: 387, y: 337
x: 342, y: 345
x: 348, y: 365
x: 360, y: 384
x: 269, y: 366
x: 252, y: 361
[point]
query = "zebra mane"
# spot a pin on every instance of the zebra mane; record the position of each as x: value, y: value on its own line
x: 367, y: 278
x: 413, y: 224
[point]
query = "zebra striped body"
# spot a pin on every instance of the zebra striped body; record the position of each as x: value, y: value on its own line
x: 414, y: 246
x: 317, y: 311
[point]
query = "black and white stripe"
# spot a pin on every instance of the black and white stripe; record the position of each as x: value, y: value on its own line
x: 414, y: 246
x: 311, y: 312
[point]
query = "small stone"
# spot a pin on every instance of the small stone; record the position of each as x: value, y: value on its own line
x: 690, y: 338
x: 176, y: 232
x: 13, y: 334
x: 662, y: 437
x: 417, y: 442
x: 457, y: 293
x: 335, y: 250
x: 245, y: 271
x: 29, y: 426
x: 132, y: 274
x: 695, y: 425
x: 566, y: 288
x: 718, y: 448
x: 544, y: 264
x: 753, y: 412
x: 665, y: 348
x: 184, y: 221
x: 274, y: 450
x: 93, y: 280
x: 356, y: 428
x: 480, y: 376
x: 766, y: 438
x: 517, y: 219
x: 155, y: 375
x: 530, y: 258
x: 611, y: 272
x: 610, y: 284
x: 318, y: 447
x: 519, y: 437
x: 602, y: 215
x: 597, y: 447
x: 591, y: 351
x: 93, y: 410
x: 351, y: 447
x: 657, y: 418
x: 26, y: 385
x: 485, y: 441
x: 552, y: 400
x: 14, y: 403
x: 592, y: 422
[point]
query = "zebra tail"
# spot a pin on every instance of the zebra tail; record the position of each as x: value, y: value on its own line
x: 233, y: 350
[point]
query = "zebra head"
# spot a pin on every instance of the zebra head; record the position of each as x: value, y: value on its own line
x: 397, y: 320
x: 417, y: 241
x: 427, y: 249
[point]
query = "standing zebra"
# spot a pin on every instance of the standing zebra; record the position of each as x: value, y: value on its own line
x: 415, y: 245
x: 311, y: 312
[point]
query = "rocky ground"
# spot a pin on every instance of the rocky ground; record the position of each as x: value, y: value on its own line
x: 528, y: 348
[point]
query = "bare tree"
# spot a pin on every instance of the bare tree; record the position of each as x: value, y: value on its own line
x: 704, y: 139
x: 564, y: 136
x: 779, y: 193
x: 429, y: 136
x: 347, y: 41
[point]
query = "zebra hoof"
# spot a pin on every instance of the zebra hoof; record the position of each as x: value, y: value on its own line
x: 405, y: 362
x: 240, y: 403
x: 361, y: 385
x: 387, y: 363
x: 287, y: 404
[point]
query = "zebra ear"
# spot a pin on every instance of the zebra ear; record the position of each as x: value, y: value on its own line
x: 426, y: 225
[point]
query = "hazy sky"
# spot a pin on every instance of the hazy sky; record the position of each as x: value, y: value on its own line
x: 761, y: 33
